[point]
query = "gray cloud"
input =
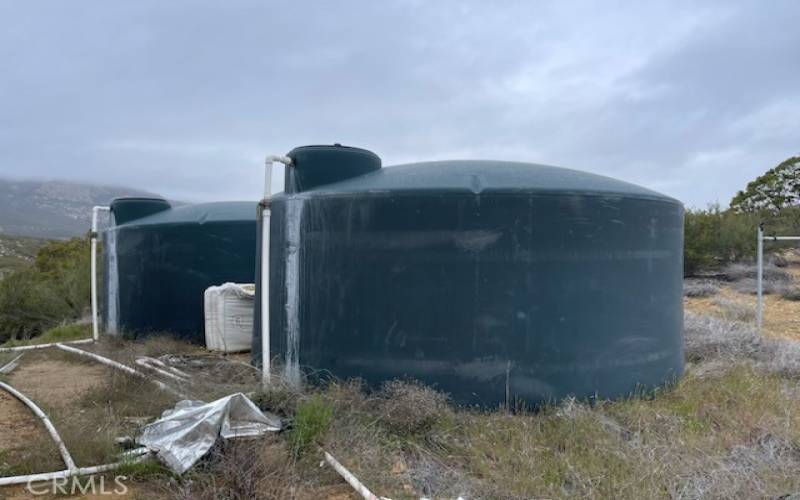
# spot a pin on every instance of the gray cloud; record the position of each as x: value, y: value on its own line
x: 184, y: 98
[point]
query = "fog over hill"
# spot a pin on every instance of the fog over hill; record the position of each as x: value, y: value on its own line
x: 52, y: 209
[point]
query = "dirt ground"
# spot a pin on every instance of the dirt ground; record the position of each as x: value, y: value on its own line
x: 57, y: 381
x: 17, y: 424
x: 50, y: 378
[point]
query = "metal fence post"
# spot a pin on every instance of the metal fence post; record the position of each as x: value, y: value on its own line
x: 759, y: 278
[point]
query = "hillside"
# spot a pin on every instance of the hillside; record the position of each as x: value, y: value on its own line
x: 52, y: 209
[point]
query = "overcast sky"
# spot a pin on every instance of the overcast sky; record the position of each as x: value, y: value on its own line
x: 185, y: 98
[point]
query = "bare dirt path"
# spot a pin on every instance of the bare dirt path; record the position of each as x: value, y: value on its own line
x: 17, y: 425
x: 50, y: 379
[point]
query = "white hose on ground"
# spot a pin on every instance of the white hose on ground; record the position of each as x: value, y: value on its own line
x: 149, y: 364
x: 166, y: 366
x: 133, y: 456
x: 44, y: 346
x: 62, y: 448
x: 120, y: 366
x: 6, y: 368
x: 350, y: 478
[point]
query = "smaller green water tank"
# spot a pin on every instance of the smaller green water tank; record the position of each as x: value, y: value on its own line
x: 160, y: 260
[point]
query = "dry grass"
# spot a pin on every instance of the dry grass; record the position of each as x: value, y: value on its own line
x: 745, y: 270
x: 408, y: 408
x: 735, y: 310
x: 791, y: 293
x: 775, y: 279
x: 781, y: 313
x: 700, y: 288
x: 212, y: 375
x: 241, y: 470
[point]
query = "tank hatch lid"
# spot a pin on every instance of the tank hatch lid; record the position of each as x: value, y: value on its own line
x: 484, y: 176
x: 129, y: 208
x: 314, y: 166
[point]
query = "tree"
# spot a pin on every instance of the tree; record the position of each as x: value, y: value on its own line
x: 778, y: 188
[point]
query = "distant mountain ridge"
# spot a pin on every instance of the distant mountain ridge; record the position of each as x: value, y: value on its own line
x: 53, y: 209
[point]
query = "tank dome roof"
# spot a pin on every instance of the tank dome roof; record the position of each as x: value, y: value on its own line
x: 201, y: 213
x: 482, y: 176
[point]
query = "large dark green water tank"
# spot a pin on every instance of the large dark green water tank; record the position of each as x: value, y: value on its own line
x: 493, y: 281
x: 160, y: 259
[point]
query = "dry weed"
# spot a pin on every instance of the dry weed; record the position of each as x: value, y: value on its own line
x: 700, y: 288
x: 409, y: 407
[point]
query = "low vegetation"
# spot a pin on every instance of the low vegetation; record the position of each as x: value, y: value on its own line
x: 54, y: 290
x: 62, y: 333
x: 715, y: 238
x: 17, y: 252
x: 700, y: 288
x: 729, y: 429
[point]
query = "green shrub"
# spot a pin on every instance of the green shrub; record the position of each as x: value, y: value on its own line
x: 311, y: 422
x: 53, y: 290
x: 63, y: 333
x: 66, y: 266
x: 714, y: 238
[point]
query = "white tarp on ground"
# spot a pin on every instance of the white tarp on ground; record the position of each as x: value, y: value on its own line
x: 229, y: 312
x: 185, y: 433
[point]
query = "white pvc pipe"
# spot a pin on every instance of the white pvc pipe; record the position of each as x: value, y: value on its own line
x: 350, y: 478
x: 779, y: 238
x: 44, y: 346
x: 133, y: 456
x: 6, y: 368
x: 95, y: 327
x: 266, y: 213
x: 161, y: 364
x: 62, y: 448
x: 149, y: 364
x: 760, y: 279
x: 120, y: 366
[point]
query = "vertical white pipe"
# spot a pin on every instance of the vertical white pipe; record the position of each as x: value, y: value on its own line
x: 266, y: 213
x: 95, y: 328
x: 759, y: 279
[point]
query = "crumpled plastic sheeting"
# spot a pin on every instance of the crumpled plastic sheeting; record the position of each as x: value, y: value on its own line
x: 185, y: 433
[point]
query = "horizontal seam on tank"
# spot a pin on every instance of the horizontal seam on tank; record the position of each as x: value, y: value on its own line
x: 432, y: 193
x: 185, y: 223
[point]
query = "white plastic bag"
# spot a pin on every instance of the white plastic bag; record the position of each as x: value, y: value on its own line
x: 229, y: 317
